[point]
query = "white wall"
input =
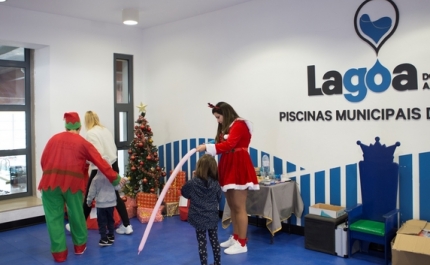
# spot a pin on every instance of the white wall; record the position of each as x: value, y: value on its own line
x: 255, y: 57
x: 73, y: 66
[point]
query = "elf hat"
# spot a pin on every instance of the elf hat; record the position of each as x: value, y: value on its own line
x: 72, y: 120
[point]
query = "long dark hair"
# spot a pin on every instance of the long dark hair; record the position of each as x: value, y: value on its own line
x: 228, y: 114
x: 207, y: 167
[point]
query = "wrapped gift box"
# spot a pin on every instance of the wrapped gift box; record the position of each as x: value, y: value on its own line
x: 172, y: 195
x: 146, y: 200
x: 143, y: 214
x: 172, y: 208
x: 131, y: 211
x: 174, y: 191
x: 129, y: 201
x: 180, y: 179
x: 130, y: 205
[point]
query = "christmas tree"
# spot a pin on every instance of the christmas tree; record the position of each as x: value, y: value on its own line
x: 143, y: 172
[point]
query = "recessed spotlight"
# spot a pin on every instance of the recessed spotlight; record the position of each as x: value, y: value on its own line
x: 130, y: 16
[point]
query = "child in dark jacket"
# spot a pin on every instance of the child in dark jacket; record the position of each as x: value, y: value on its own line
x: 204, y: 193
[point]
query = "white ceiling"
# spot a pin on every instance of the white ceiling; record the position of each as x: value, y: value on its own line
x: 151, y: 12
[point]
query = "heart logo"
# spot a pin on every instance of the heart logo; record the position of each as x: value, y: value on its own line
x: 385, y: 20
x: 375, y: 29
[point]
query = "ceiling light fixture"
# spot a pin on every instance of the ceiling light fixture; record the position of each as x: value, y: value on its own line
x: 3, y: 0
x: 130, y: 16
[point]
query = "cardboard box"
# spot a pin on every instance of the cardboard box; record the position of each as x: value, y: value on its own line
x: 410, y: 246
x: 327, y: 210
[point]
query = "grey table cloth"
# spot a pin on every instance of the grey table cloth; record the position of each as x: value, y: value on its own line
x: 275, y: 203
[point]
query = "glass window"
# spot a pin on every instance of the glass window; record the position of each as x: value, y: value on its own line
x: 13, y: 174
x: 12, y: 53
x: 12, y: 85
x: 122, y: 81
x: 123, y: 126
x: 12, y: 128
x: 122, y: 161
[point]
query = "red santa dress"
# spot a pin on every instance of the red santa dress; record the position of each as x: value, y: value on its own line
x: 235, y: 167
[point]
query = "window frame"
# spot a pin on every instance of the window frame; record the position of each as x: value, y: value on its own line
x: 124, y: 107
x: 27, y: 108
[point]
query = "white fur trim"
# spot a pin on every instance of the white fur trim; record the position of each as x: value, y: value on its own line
x: 210, y: 149
x: 249, y: 185
x: 248, y: 123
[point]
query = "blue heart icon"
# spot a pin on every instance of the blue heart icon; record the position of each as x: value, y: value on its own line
x: 375, y: 29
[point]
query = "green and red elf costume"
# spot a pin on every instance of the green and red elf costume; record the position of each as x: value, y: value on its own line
x: 64, y: 179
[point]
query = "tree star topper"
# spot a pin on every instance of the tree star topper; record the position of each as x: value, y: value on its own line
x: 142, y: 107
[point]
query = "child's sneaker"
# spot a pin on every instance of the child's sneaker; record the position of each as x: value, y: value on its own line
x: 105, y: 242
x: 111, y: 237
x: 124, y: 229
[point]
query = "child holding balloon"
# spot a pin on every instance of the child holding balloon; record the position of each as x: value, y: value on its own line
x: 204, y: 193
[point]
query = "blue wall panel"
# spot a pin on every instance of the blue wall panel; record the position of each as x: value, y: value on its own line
x: 335, y: 186
x: 424, y: 176
x: 254, y: 156
x: 184, y: 151
x: 277, y: 165
x: 168, y: 159
x: 351, y: 185
x: 405, y: 188
x: 320, y: 187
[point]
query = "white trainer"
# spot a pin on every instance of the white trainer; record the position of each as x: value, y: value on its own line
x: 124, y: 229
x: 236, y: 249
x: 68, y: 227
x: 230, y: 242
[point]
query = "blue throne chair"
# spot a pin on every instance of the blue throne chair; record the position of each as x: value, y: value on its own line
x: 375, y: 220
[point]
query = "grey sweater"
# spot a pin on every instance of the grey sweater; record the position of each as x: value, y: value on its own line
x: 103, y: 191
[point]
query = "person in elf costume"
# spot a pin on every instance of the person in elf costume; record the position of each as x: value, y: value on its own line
x: 64, y: 179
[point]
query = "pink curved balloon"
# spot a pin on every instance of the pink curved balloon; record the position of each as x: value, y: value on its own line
x: 161, y: 197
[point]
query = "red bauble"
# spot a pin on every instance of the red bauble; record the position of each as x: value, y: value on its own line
x: 141, y: 163
x: 140, y: 144
x: 163, y: 174
x: 135, y: 127
x: 132, y: 157
x: 142, y: 127
x: 144, y: 180
x: 156, y: 159
x: 151, y: 190
x: 133, y: 168
x: 130, y: 151
x: 148, y: 157
x: 158, y: 168
x: 124, y: 198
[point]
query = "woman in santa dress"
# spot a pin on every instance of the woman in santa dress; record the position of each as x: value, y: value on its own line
x: 236, y: 171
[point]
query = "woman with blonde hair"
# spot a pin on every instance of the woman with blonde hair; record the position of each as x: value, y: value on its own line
x: 104, y: 142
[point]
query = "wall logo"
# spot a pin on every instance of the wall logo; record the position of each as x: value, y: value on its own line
x: 375, y: 21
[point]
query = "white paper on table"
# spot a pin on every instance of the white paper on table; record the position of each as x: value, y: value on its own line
x: 183, y: 202
x: 93, y: 213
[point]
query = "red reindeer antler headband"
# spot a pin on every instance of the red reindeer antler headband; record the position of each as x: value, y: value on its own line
x: 212, y: 106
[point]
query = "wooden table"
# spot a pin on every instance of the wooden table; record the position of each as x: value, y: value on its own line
x: 275, y: 203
